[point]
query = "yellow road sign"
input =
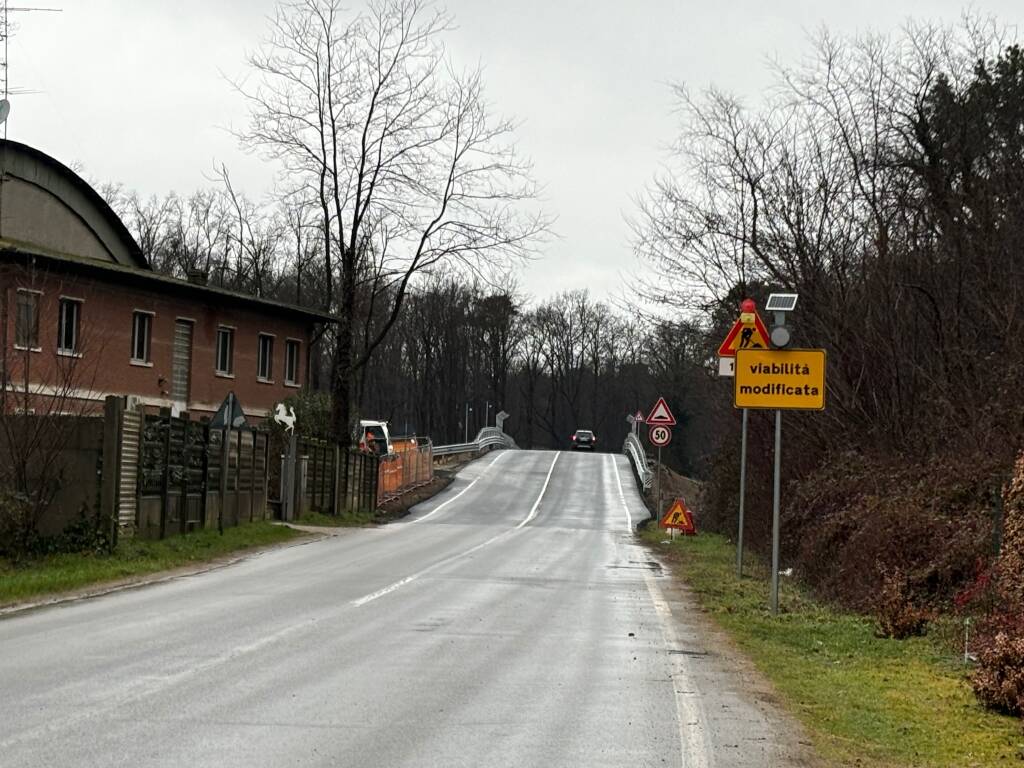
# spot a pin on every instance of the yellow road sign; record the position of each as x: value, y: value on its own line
x: 777, y: 378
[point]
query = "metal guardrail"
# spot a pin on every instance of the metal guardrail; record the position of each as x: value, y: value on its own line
x: 488, y: 437
x: 635, y: 450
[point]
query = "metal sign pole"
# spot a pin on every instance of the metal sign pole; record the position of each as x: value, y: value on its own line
x: 775, y: 513
x: 743, y: 495
x: 657, y: 493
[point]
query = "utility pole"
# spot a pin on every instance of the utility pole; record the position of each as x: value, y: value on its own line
x: 5, y: 65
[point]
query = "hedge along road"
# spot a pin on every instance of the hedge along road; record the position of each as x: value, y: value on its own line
x: 511, y: 621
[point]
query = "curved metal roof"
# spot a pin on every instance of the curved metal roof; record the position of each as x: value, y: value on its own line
x: 34, y: 167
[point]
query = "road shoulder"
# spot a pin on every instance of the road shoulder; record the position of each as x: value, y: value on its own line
x: 744, y: 718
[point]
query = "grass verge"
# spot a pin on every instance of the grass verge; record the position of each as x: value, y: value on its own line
x: 865, y: 700
x: 132, y: 557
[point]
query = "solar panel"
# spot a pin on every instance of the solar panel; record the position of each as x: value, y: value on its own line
x: 781, y: 302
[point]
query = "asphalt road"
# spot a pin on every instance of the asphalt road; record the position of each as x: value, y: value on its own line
x: 510, y: 621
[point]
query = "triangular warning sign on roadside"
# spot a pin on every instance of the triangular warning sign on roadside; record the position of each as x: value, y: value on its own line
x: 639, y: 417
x: 748, y: 332
x: 680, y: 518
x: 661, y: 415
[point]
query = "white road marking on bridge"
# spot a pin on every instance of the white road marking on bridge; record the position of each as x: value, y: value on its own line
x: 464, y: 490
x: 536, y: 504
x: 622, y: 495
x: 693, y: 745
x: 409, y: 579
x: 501, y: 454
x: 445, y: 504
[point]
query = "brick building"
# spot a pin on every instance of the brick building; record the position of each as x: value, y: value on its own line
x: 83, y: 315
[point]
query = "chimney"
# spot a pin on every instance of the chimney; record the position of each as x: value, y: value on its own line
x: 197, y: 277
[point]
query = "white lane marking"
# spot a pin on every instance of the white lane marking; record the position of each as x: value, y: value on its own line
x: 622, y: 495
x: 689, y: 713
x: 496, y: 460
x: 536, y: 504
x: 386, y: 590
x: 408, y: 579
x: 445, y: 504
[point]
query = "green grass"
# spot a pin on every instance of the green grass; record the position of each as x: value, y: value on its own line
x: 132, y: 557
x: 865, y: 700
x: 344, y: 520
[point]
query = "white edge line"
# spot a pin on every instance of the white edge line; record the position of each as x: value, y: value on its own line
x: 456, y: 496
x: 408, y: 579
x: 622, y: 495
x: 693, y: 745
x: 439, y: 507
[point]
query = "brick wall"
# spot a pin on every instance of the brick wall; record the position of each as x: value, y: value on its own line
x: 105, y: 366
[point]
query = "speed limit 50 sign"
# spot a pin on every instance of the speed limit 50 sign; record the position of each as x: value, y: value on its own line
x: 660, y: 435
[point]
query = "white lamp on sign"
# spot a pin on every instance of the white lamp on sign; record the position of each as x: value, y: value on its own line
x: 780, y: 304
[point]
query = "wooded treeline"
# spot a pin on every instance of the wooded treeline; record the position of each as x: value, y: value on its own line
x: 567, y: 363
x: 882, y: 180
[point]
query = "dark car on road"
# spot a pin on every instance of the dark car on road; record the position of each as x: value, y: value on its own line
x: 584, y: 439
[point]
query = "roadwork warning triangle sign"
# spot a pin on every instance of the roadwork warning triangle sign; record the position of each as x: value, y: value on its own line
x: 679, y: 517
x: 661, y: 415
x: 748, y: 332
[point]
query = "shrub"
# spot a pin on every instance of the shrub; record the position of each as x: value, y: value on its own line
x: 999, y: 679
x: 87, y: 534
x: 1010, y: 568
x: 895, y: 612
x: 17, y: 534
x: 859, y: 518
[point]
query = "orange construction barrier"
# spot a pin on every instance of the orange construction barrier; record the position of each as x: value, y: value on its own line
x: 409, y: 467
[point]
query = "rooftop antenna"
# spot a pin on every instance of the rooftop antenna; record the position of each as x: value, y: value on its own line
x: 5, y: 31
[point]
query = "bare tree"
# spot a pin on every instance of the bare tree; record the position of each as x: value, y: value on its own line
x: 397, y: 146
x: 42, y: 393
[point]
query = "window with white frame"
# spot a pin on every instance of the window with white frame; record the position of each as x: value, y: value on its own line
x: 291, y: 362
x: 68, y: 326
x: 265, y: 360
x: 225, y: 363
x: 142, y: 327
x: 26, y: 320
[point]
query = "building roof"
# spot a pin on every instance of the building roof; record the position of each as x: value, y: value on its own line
x: 48, y: 212
x: 51, y: 177
x: 145, y: 278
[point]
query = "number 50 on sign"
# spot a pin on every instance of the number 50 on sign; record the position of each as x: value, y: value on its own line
x: 660, y: 436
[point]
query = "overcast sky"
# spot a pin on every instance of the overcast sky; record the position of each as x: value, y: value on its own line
x: 134, y: 91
